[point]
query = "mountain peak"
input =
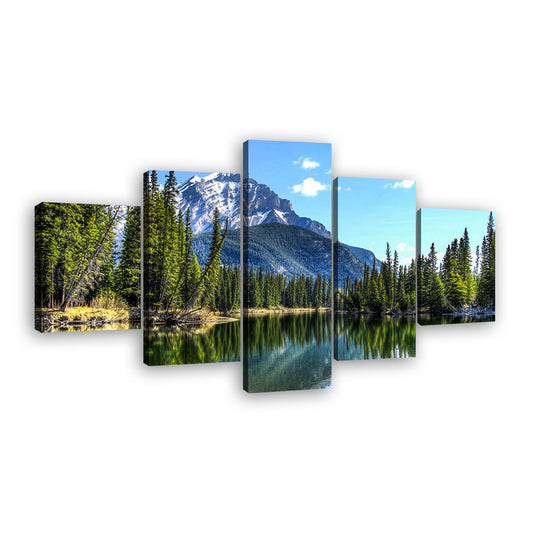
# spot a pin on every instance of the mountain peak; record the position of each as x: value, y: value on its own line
x: 265, y: 206
x: 222, y: 191
x: 202, y: 195
x: 221, y: 176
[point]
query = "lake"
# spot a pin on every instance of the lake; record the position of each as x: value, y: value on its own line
x: 374, y: 337
x: 211, y: 342
x: 287, y: 351
x: 431, y: 320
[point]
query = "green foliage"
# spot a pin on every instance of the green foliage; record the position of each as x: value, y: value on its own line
x: 390, y: 288
x: 270, y: 290
x: 486, y: 283
x: 77, y: 258
x: 174, y: 280
x: 128, y: 273
x: 456, y: 284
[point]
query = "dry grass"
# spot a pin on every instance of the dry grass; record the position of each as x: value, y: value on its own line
x: 109, y: 302
x: 85, y: 314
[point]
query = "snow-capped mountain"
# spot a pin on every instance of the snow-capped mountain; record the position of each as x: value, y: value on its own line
x: 222, y: 191
x: 203, y: 195
x: 291, y: 255
x: 264, y: 206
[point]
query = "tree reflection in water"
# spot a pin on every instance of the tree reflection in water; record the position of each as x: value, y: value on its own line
x: 371, y: 337
x: 287, y: 352
x: 195, y: 343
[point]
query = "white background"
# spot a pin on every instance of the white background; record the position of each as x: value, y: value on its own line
x: 94, y: 94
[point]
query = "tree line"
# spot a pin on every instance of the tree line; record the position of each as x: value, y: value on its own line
x: 174, y: 282
x: 456, y: 283
x: 392, y: 288
x: 78, y: 259
x: 266, y: 290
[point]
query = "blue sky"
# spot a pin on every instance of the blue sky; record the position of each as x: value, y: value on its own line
x: 297, y: 171
x: 372, y: 212
x: 441, y: 226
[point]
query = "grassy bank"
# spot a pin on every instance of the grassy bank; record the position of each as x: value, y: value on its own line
x: 201, y: 316
x: 284, y: 310
x: 85, y: 315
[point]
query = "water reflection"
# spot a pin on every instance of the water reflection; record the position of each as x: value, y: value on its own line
x: 287, y: 352
x: 428, y: 320
x: 371, y: 337
x: 194, y: 343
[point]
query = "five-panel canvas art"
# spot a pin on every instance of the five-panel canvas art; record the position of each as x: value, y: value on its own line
x: 282, y: 267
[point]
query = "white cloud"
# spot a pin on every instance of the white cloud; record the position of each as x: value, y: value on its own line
x: 306, y: 163
x: 402, y: 247
x: 407, y: 260
x: 308, y: 187
x: 404, y: 184
x: 328, y: 171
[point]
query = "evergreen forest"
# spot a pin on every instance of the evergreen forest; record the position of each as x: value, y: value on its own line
x: 87, y: 257
x: 390, y: 289
x: 267, y: 290
x: 176, y: 287
x: 459, y: 282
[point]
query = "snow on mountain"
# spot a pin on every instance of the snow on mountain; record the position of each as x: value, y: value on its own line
x: 265, y: 206
x: 218, y: 190
x: 202, y: 195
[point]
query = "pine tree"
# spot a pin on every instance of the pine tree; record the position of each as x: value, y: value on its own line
x: 465, y: 267
x: 486, y: 291
x: 150, y: 234
x: 93, y: 248
x: 386, y: 300
x: 128, y: 275
x: 210, y: 273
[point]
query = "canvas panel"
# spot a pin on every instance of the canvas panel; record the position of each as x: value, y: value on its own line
x: 191, y: 262
x: 374, y: 268
x: 87, y: 267
x: 456, y: 265
x: 286, y: 239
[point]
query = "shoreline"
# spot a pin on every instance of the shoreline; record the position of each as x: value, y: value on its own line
x: 200, y: 318
x: 283, y: 310
x: 411, y: 313
x: 170, y: 322
x: 457, y: 314
x: 84, y: 316
x: 470, y: 311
